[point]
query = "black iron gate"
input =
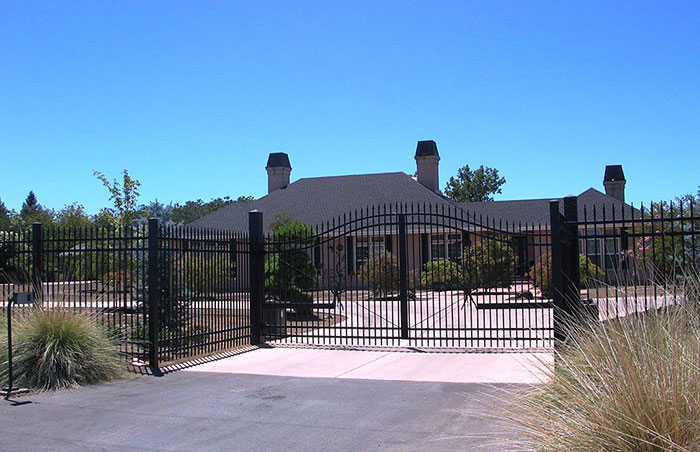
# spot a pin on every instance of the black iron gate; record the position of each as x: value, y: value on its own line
x: 404, y: 275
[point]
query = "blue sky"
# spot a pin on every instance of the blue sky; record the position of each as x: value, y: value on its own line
x: 191, y: 97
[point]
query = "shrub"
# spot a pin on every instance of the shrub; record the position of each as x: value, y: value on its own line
x: 206, y: 274
x: 487, y: 264
x: 55, y: 349
x: 590, y: 272
x: 11, y: 270
x: 441, y: 274
x: 288, y: 270
x: 626, y: 385
x: 541, y: 273
x: 381, y: 273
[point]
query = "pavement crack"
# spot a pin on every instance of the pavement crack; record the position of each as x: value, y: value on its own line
x: 361, y: 365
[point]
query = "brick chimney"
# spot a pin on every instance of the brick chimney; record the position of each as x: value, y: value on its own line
x: 614, y: 182
x: 278, y: 171
x: 427, y: 162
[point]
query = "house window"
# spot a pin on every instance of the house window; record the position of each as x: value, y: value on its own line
x: 445, y: 246
x: 592, y: 248
x: 604, y: 252
x: 437, y: 246
x: 612, y: 252
x: 454, y: 246
x: 365, y: 247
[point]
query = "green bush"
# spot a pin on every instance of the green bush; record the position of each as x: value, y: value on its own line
x: 288, y: 270
x: 55, y: 349
x: 590, y: 272
x: 625, y: 385
x: 541, y: 273
x: 206, y: 274
x: 487, y: 264
x: 441, y: 274
x: 381, y: 273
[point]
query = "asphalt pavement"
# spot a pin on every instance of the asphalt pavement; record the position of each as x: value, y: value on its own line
x: 215, y: 411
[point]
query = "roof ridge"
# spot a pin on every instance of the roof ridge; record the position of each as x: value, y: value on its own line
x: 511, y: 200
x: 349, y: 175
x: 605, y: 195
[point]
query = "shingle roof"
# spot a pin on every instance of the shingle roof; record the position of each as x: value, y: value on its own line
x: 319, y: 199
x: 536, y: 211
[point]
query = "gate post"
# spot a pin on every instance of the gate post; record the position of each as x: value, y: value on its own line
x: 565, y: 276
x: 256, y: 261
x: 572, y: 278
x: 403, y: 276
x: 153, y: 291
x: 37, y: 259
x: 556, y: 271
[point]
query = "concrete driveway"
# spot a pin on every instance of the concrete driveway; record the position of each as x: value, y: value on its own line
x: 396, y: 364
x: 201, y: 410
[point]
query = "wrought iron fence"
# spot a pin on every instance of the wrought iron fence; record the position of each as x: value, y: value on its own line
x: 419, y: 275
x: 96, y: 270
x: 190, y: 280
x: 204, y: 303
x: 635, y: 259
x: 422, y: 275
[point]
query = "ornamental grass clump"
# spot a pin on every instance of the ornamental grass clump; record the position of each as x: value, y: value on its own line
x: 60, y: 348
x: 626, y: 385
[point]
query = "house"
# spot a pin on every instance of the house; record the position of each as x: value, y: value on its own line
x: 322, y: 200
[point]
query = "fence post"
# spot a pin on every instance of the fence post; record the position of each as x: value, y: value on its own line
x: 556, y: 271
x: 153, y: 291
x: 256, y: 260
x: 403, y: 276
x: 37, y: 260
x: 571, y: 282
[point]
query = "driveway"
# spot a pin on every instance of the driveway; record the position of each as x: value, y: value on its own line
x: 201, y: 410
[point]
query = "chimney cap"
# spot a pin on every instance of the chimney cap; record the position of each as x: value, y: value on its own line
x: 613, y: 173
x: 427, y: 148
x: 278, y: 159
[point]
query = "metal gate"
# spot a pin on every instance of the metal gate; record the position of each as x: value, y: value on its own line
x: 415, y: 275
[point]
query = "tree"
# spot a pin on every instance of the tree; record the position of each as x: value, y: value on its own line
x: 6, y: 217
x: 73, y: 216
x: 125, y: 197
x: 194, y: 210
x: 33, y: 212
x: 31, y: 201
x: 164, y: 213
x: 666, y: 243
x: 477, y: 185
